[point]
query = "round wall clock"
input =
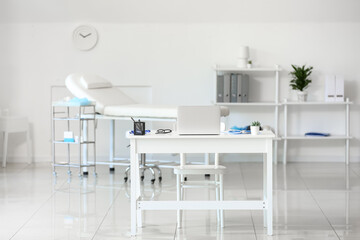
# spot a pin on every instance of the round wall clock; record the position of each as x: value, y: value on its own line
x: 85, y: 37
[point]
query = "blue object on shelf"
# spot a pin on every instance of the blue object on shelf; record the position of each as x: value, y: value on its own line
x: 317, y: 134
x: 69, y: 140
x: 80, y: 101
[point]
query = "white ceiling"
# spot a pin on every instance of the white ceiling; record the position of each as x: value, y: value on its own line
x: 181, y: 11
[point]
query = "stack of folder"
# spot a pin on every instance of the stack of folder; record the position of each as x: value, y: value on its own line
x: 232, y: 88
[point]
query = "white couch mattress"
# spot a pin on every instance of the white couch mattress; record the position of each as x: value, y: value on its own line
x: 111, y: 101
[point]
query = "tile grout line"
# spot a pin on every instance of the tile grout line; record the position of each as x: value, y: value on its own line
x: 36, y: 211
x: 312, y: 196
x: 252, y: 219
x: 107, y: 212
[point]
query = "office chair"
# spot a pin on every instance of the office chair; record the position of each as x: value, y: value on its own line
x: 143, y: 167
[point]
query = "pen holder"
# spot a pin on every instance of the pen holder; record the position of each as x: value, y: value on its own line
x: 139, y: 128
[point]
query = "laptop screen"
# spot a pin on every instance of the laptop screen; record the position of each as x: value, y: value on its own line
x: 198, y: 120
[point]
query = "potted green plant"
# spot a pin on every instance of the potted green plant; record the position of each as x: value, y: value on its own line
x: 255, y: 128
x: 249, y: 64
x: 300, y: 80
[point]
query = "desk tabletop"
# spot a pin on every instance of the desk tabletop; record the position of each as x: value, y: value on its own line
x: 172, y: 135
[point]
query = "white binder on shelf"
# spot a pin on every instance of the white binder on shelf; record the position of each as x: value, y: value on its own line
x: 234, y: 88
x: 220, y: 88
x: 330, y: 86
x: 227, y: 88
x: 239, y: 85
x: 245, y: 88
x: 339, y: 88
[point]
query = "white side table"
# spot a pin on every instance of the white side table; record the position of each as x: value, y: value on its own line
x: 13, y: 124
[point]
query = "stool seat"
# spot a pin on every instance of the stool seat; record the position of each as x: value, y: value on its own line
x: 199, y: 169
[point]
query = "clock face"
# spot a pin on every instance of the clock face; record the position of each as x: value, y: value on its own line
x: 85, y: 37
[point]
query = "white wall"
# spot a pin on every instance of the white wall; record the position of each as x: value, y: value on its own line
x: 176, y: 60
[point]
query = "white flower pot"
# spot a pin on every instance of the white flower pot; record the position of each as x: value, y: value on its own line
x: 302, y: 96
x: 249, y: 65
x: 254, y: 130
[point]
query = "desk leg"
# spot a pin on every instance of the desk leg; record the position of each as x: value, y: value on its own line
x: 133, y: 185
x: 112, y: 144
x: 178, y: 198
x: 28, y: 145
x: 138, y: 191
x: 269, y: 188
x: 265, y: 187
x: 6, y: 137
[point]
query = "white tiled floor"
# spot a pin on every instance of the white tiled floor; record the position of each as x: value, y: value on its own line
x: 311, y: 201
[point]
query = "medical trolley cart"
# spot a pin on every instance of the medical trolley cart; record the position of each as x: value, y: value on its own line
x: 74, y: 118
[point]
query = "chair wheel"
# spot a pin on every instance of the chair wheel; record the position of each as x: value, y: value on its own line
x: 152, y: 181
x: 185, y: 178
x: 125, y: 179
x: 160, y: 178
x: 142, y: 178
x: 111, y: 170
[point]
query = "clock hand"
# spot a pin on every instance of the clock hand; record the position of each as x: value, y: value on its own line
x: 87, y: 35
x: 82, y: 35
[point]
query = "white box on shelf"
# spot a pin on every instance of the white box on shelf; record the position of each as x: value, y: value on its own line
x: 330, y: 86
x: 339, y: 89
x: 68, y: 135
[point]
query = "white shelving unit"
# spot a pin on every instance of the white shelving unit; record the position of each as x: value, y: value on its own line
x: 276, y: 104
x: 346, y: 137
x: 81, y: 115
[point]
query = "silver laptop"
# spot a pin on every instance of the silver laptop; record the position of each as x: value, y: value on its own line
x: 198, y: 120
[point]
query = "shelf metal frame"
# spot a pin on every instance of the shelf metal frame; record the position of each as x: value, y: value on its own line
x: 82, y: 117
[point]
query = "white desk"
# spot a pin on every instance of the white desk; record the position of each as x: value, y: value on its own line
x: 223, y: 143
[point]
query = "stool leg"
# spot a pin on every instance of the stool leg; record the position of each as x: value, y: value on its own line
x: 6, y: 136
x: 178, y: 198
x: 221, y: 199
x: 28, y: 145
x: 217, y: 195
